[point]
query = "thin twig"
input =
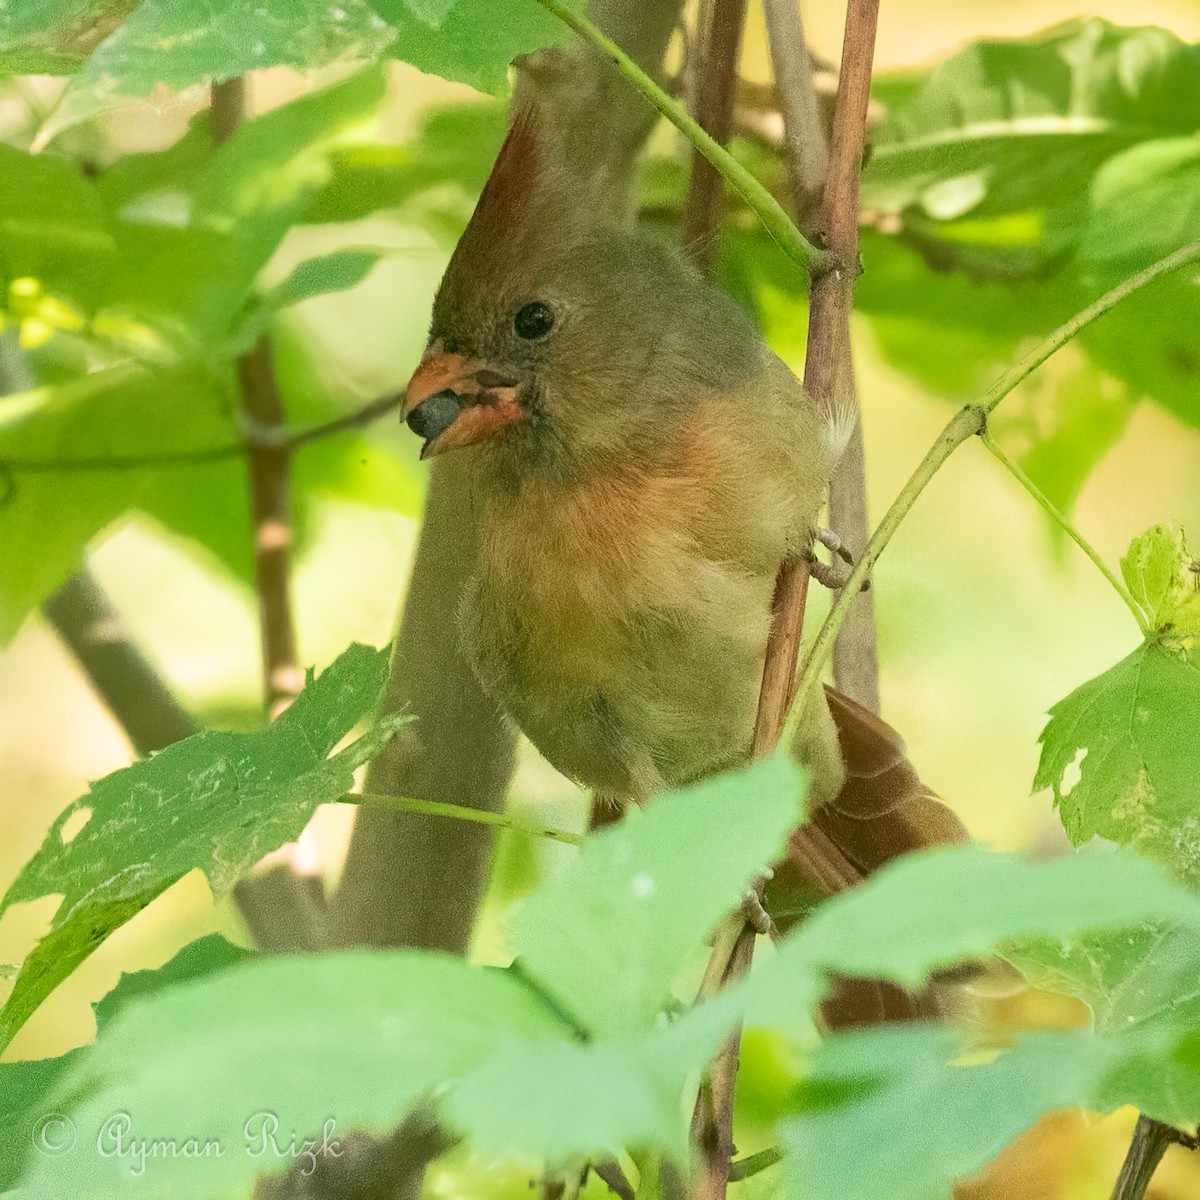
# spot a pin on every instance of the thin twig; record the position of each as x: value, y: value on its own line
x: 968, y: 421
x: 768, y: 210
x: 1060, y: 519
x: 1151, y: 1140
x: 460, y: 812
x: 754, y: 1164
x: 270, y: 507
x: 270, y: 438
x: 713, y: 99
x: 282, y: 911
x: 270, y: 475
x: 828, y: 378
x: 805, y: 144
x: 829, y: 367
x: 712, y: 1120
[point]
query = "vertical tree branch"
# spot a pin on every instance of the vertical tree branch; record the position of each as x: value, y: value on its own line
x: 270, y: 471
x: 270, y: 474
x: 1151, y: 1140
x: 829, y: 379
x: 134, y: 692
x: 410, y: 880
x: 714, y: 96
x: 283, y: 906
x: 715, y: 92
x: 805, y: 144
x: 829, y: 369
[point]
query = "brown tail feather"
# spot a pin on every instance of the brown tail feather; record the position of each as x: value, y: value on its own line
x: 882, y: 811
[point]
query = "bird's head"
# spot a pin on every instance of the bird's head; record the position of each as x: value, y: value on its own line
x: 556, y: 337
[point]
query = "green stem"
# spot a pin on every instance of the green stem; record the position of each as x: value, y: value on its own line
x: 458, y: 812
x: 1032, y: 488
x: 768, y: 210
x: 967, y: 421
x: 754, y: 1164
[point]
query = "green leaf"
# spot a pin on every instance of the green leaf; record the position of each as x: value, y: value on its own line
x: 1141, y: 986
x: 563, y: 1101
x: 1136, y: 727
x: 335, y: 272
x: 191, y: 230
x: 476, y: 41
x: 30, y: 1120
x: 998, y: 146
x: 52, y: 226
x: 125, y: 413
x: 436, y: 178
x: 195, y: 227
x: 216, y: 801
x: 954, y: 333
x: 55, y: 36
x: 1149, y: 342
x: 432, y: 12
x: 927, y: 911
x: 310, y: 1047
x: 1145, y: 204
x: 645, y: 891
x: 50, y: 515
x: 173, y: 42
x: 180, y: 43
x: 1164, y: 579
x: 936, y: 908
x: 929, y: 1121
x: 377, y: 467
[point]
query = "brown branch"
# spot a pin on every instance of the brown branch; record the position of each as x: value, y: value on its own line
x: 712, y: 1120
x: 270, y: 508
x: 133, y: 691
x: 713, y: 99
x: 828, y: 379
x: 409, y: 880
x: 227, y: 107
x: 282, y: 906
x: 270, y: 438
x: 270, y: 473
x: 828, y: 368
x: 805, y: 144
x: 856, y: 651
x: 1151, y: 1140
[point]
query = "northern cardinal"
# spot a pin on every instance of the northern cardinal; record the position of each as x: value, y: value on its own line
x: 640, y: 465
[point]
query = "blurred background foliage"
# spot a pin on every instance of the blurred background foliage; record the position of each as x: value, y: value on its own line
x: 1009, y: 182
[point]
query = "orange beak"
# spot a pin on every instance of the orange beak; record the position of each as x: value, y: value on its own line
x: 454, y: 401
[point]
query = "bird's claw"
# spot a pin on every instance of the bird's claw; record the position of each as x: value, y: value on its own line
x: 832, y: 575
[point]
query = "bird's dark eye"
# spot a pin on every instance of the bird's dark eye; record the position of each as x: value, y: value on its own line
x: 533, y: 321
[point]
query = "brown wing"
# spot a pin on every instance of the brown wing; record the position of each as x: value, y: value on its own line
x: 883, y: 810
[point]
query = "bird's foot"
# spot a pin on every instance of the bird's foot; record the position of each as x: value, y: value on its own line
x: 755, y: 915
x: 832, y: 575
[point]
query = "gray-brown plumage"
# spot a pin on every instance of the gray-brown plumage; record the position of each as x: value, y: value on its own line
x: 640, y: 464
x: 640, y: 469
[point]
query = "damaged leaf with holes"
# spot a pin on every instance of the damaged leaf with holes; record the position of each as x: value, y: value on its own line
x: 1164, y: 578
x: 217, y: 801
x: 1133, y: 732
